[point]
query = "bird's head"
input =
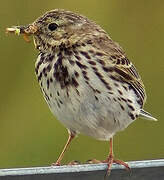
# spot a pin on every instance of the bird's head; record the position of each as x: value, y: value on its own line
x: 58, y: 27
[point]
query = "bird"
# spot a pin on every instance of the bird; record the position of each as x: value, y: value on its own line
x: 86, y: 78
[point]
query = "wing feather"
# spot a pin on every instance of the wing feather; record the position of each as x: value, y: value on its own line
x: 122, y: 69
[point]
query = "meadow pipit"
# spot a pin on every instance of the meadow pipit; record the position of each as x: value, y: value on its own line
x: 85, y: 77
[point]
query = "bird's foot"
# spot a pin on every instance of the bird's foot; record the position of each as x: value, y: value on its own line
x: 110, y: 160
x: 74, y: 162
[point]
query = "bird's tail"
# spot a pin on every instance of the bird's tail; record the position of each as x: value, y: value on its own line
x: 147, y: 115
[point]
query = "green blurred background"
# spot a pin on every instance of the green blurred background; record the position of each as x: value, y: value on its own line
x: 29, y: 134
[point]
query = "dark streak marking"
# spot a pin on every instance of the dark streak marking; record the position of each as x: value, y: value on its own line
x: 83, y: 44
x: 120, y: 92
x: 58, y: 93
x: 81, y: 65
x: 40, y: 76
x: 51, y: 80
x: 101, y: 62
x: 92, y: 63
x: 44, y: 72
x: 140, y: 102
x: 95, y: 69
x: 98, y: 91
x: 117, y: 85
x: 84, y: 72
x: 123, y: 61
x: 119, y: 98
x: 123, y: 99
x: 131, y: 107
x: 76, y: 74
x: 122, y: 107
x: 48, y: 83
x: 86, y: 77
x: 132, y: 116
x: 108, y: 69
x: 102, y: 80
x: 71, y: 62
x: 86, y: 82
x: 99, y: 75
x: 123, y: 74
x: 99, y: 54
x: 125, y: 88
x: 129, y: 100
x: 67, y: 94
x: 114, y: 78
x: 127, y: 61
x: 89, y: 42
x: 118, y: 61
x: 49, y: 58
x: 74, y: 82
x: 113, y: 57
x: 49, y: 68
x: 78, y: 57
x: 96, y: 98
x: 85, y: 54
x: 60, y: 102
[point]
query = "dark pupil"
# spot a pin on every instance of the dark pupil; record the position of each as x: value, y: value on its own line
x: 52, y: 26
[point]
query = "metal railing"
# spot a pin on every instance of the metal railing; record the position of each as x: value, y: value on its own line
x: 140, y: 170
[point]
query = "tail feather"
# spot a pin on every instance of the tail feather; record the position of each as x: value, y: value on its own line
x: 147, y: 115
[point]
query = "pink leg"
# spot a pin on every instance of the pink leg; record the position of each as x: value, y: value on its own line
x: 110, y: 160
x: 58, y: 162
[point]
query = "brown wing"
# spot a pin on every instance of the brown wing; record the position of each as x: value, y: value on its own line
x: 122, y: 69
x: 125, y: 71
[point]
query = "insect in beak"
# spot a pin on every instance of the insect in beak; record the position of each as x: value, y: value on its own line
x: 25, y: 30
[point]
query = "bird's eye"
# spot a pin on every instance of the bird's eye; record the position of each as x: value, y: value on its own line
x: 52, y: 26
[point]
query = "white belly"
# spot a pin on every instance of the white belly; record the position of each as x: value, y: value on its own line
x: 85, y: 111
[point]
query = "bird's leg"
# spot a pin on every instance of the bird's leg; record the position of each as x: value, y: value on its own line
x: 110, y: 160
x: 71, y: 136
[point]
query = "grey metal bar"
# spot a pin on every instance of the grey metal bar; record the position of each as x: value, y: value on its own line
x: 140, y: 170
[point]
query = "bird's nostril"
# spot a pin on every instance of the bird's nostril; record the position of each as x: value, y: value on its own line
x: 31, y: 29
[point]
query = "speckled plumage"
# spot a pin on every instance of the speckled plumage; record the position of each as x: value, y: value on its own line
x: 86, y: 78
x: 95, y: 89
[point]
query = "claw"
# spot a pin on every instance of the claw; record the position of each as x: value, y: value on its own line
x: 56, y: 164
x: 93, y: 161
x: 74, y: 162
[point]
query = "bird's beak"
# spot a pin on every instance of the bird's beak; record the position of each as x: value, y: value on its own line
x: 25, y: 30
